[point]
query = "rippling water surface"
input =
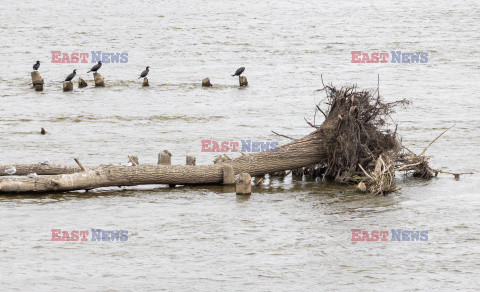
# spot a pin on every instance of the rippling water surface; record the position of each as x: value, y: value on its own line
x: 288, y: 235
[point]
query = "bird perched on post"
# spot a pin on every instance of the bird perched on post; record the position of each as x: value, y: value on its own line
x: 144, y: 73
x: 239, y: 71
x: 96, y: 67
x: 36, y: 66
x: 71, y: 75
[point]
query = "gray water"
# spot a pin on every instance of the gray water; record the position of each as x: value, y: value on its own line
x: 288, y: 235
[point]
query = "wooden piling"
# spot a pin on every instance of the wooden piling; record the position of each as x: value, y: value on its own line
x: 206, y: 82
x: 228, y: 174
x: 99, y: 80
x: 243, y: 184
x: 81, y: 83
x: 242, y: 80
x: 165, y: 158
x: 191, y: 160
x: 37, y: 81
x: 145, y: 82
x: 67, y: 86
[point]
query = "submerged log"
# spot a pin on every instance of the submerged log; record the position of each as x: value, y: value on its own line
x: 145, y: 82
x: 206, y: 82
x: 242, y: 80
x: 81, y: 83
x: 67, y: 86
x: 37, y: 81
x: 99, y: 80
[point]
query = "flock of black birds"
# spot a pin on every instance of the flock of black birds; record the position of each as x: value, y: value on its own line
x: 95, y: 68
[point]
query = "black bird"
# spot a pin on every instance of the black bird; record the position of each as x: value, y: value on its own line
x: 96, y: 67
x: 144, y: 73
x: 43, y: 132
x: 36, y: 66
x: 239, y: 71
x: 71, y: 75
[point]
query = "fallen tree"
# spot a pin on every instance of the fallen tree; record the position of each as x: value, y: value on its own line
x: 347, y: 148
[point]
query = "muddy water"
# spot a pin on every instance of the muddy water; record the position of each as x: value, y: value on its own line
x: 289, y: 234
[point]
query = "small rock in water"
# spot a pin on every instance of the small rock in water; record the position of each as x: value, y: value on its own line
x: 43, y: 132
x: 10, y: 171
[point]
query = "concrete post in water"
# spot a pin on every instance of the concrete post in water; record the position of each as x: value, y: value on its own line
x: 81, y: 83
x: 99, y: 81
x: 242, y: 80
x: 165, y: 158
x: 37, y: 81
x: 67, y: 86
x: 206, y: 82
x: 243, y: 184
x: 191, y: 160
x: 228, y: 174
x: 145, y: 82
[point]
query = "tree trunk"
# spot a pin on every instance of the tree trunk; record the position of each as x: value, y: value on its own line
x: 50, y: 169
x: 305, y: 151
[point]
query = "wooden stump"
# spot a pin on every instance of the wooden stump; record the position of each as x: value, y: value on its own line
x: 243, y: 184
x: 206, y: 82
x: 99, y: 81
x: 37, y: 81
x: 67, y: 86
x: 165, y: 158
x: 228, y: 174
x: 81, y: 83
x: 242, y: 80
x: 145, y: 82
x: 191, y: 160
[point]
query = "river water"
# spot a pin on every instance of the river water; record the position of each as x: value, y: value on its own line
x: 288, y: 235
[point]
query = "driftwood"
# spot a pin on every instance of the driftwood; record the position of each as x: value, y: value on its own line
x: 351, y: 145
